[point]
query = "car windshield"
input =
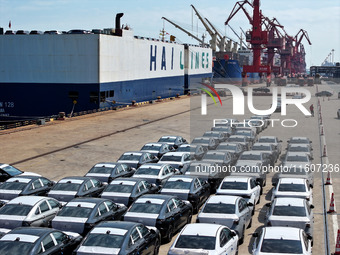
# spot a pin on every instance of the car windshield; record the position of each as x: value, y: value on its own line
x: 120, y: 188
x: 67, y: 186
x: 11, y: 170
x: 244, y: 133
x: 171, y: 158
x: 250, y: 157
x: 200, y: 141
x: 75, y: 211
x: 196, y: 242
x: 302, y: 141
x: 219, y: 208
x: 281, y: 246
x: 101, y: 170
x: 236, y: 139
x: 104, y: 240
x: 298, y: 148
x: 211, y: 135
x: 297, y: 159
x: 167, y: 139
x: 235, y: 185
x: 12, y: 247
x: 132, y: 157
x: 226, y: 147
x: 155, y: 147
x: 147, y: 171
x: 146, y: 208
x: 267, y: 140
x: 289, y: 187
x: 177, y: 185
x: 298, y: 211
x: 261, y: 148
x: 214, y: 156
x: 15, y: 209
x: 13, y: 185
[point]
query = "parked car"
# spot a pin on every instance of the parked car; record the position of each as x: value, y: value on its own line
x: 246, y: 187
x: 34, y: 240
x: 263, y: 119
x: 301, y: 148
x: 137, y: 158
x: 261, y: 89
x: 294, y: 172
x: 25, y: 186
x: 221, y: 158
x: 27, y: 211
x: 235, y: 150
x: 175, y: 141
x: 71, y: 187
x: 157, y: 149
x: 230, y: 211
x: 241, y: 139
x: 227, y: 130
x: 324, y: 93
x: 269, y: 149
x: 118, y: 237
x: 106, y: 172
x: 80, y: 215
x: 202, y: 238
x: 188, y: 188
x: 209, y: 143
x: 167, y: 213
x: 254, y: 156
x: 293, y: 187
x: 296, y: 159
x: 219, y: 136
x: 178, y: 160
x: 251, y: 169
x: 156, y: 173
x: 291, y: 212
x: 282, y: 240
x: 300, y: 140
x: 127, y: 190
x: 8, y: 171
x: 196, y: 151
x: 273, y: 140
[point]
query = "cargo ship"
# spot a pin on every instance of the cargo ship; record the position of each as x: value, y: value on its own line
x: 44, y: 74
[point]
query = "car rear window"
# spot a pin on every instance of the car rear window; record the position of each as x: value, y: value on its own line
x: 146, y: 208
x: 196, y: 242
x: 299, y: 149
x: 297, y: 211
x: 219, y: 208
x: 167, y: 139
x: 147, y: 171
x: 226, y: 147
x: 67, y: 186
x: 77, y: 212
x: 171, y: 158
x: 250, y: 157
x: 131, y: 157
x: 101, y: 170
x: 155, y: 147
x: 266, y: 140
x: 281, y: 246
x: 13, y: 185
x: 235, y: 185
x: 107, y: 240
x: 12, y: 247
x: 121, y: 188
x: 177, y: 185
x: 235, y: 139
x: 15, y: 209
x: 213, y: 156
x: 11, y: 170
x: 292, y: 187
x: 297, y: 159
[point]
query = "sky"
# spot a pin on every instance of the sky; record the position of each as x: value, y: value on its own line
x: 320, y: 18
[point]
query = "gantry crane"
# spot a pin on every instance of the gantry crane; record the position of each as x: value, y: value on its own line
x: 298, y: 59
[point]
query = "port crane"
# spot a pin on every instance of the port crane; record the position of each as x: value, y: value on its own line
x: 298, y: 59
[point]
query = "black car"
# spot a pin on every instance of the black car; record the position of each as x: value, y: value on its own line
x: 108, y: 171
x: 34, y: 240
x: 127, y: 190
x: 189, y: 188
x: 157, y: 149
x: 262, y: 89
x: 235, y: 149
x: 8, y: 171
x: 80, y: 215
x: 227, y: 130
x: 122, y: 238
x: 25, y: 186
x: 167, y: 213
x: 71, y: 187
x: 221, y: 158
x: 173, y: 140
x: 137, y: 158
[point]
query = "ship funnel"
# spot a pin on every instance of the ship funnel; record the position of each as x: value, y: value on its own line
x: 118, y: 30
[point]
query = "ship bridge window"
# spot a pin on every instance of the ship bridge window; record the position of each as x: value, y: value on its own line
x: 106, y: 94
x: 73, y: 95
x: 94, y: 97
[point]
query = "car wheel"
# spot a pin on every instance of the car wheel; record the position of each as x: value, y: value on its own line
x: 250, y: 223
x: 169, y: 234
x: 157, y: 245
x: 189, y: 218
x: 241, y: 240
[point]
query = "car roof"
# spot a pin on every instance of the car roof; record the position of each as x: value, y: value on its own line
x: 251, y: 152
x: 297, y: 153
x: 292, y: 180
x: 106, y: 164
x: 298, y: 145
x: 23, y: 178
x: 228, y: 143
x: 201, y: 229
x: 139, y: 153
x: 216, y: 152
x: 202, y: 163
x: 34, y: 231
x: 289, y: 201
x: 156, y: 196
x: 185, y: 178
x: 248, y: 163
x: 93, y: 200
x: 236, y: 179
x: 288, y: 233
x: 237, y: 136
x: 262, y: 144
x: 154, y: 144
x: 170, y: 136
x: 153, y: 165
x: 299, y: 138
x: 127, y: 225
x: 126, y: 181
x: 202, y: 138
x: 176, y: 153
x: 222, y: 199
x: 74, y: 179
x: 268, y: 136
x: 27, y: 200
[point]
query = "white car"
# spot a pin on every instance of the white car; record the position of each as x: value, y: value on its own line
x: 282, y: 240
x: 294, y: 172
x: 246, y: 187
x: 291, y: 212
x: 202, y: 238
x: 230, y: 211
x: 293, y: 187
x: 156, y: 173
x: 178, y: 160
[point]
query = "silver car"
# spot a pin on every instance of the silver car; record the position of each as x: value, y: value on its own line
x: 294, y: 172
x: 293, y: 187
x: 34, y: 211
x: 273, y: 140
x: 300, y: 140
x: 230, y: 211
x: 241, y: 139
x: 296, y: 159
x: 250, y: 169
x: 301, y: 148
x: 178, y: 160
x: 155, y: 173
x: 291, y: 212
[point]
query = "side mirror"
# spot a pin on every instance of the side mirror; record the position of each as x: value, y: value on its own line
x: 255, y: 234
x: 250, y: 204
x: 311, y: 185
x: 311, y: 206
x: 233, y: 233
x: 280, y: 141
x: 268, y: 204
